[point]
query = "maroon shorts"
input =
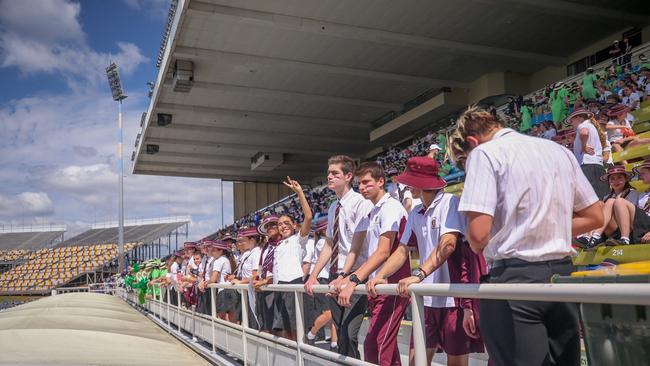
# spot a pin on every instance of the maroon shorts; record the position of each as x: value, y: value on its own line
x: 444, y: 331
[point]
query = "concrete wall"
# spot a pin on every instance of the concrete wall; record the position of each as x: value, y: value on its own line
x: 250, y: 196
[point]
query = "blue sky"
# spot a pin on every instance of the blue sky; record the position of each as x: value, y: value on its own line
x: 57, y: 121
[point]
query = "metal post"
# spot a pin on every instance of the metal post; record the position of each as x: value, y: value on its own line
x: 120, y: 246
x: 213, y: 312
x: 244, y: 321
x: 417, y: 307
x: 300, y: 327
x: 168, y: 303
x: 178, y: 318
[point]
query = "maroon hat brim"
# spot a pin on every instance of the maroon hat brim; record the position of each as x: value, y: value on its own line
x: 426, y: 183
x: 605, y: 177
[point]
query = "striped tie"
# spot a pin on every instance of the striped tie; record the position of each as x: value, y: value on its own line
x: 267, y: 264
x: 334, y: 259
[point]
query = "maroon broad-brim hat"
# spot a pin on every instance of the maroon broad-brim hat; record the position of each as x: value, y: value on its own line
x: 267, y: 220
x: 229, y: 238
x: 578, y: 112
x: 616, y: 169
x: 320, y: 224
x: 422, y: 173
x: 218, y: 244
x: 617, y: 109
x: 190, y: 245
x: 644, y: 165
x: 247, y: 232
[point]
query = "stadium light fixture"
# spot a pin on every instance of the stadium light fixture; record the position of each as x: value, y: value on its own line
x: 114, y: 82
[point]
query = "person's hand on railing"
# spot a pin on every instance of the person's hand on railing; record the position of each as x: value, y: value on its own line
x: 309, y: 285
x: 404, y: 283
x: 370, y: 285
x: 257, y: 284
x: 469, y: 323
x: 345, y: 290
x: 335, y: 285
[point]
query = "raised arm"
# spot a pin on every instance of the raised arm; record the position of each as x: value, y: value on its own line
x: 306, y: 223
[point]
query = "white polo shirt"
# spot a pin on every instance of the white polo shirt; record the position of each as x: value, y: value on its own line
x: 221, y: 265
x: 441, y: 217
x: 174, y: 268
x: 312, y: 252
x: 287, y: 262
x: 593, y: 140
x: 208, y: 268
x: 248, y: 261
x: 385, y: 216
x: 353, y: 208
x: 530, y: 187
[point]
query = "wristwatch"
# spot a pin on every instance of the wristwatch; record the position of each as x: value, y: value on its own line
x: 355, y: 279
x: 342, y: 274
x: 419, y: 273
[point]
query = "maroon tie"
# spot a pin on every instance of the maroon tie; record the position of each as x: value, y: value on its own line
x: 334, y: 259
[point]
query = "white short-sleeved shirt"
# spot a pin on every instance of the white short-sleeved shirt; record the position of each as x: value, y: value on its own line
x: 287, y: 262
x: 208, y: 268
x: 385, y: 216
x: 174, y: 268
x: 616, y: 134
x: 317, y: 247
x: 353, y: 208
x: 308, y: 253
x: 593, y: 140
x: 531, y: 187
x: 248, y: 262
x: 221, y: 265
x: 428, y: 225
x: 643, y: 199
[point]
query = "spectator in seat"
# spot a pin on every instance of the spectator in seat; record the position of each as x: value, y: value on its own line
x: 631, y: 98
x: 619, y: 182
x: 548, y: 130
x: 559, y: 100
x: 434, y: 150
x: 588, y: 148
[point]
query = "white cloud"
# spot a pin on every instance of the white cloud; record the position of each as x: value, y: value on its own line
x: 49, y: 39
x: 46, y: 20
x: 26, y: 204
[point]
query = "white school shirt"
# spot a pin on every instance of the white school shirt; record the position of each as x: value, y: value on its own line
x: 353, y: 208
x: 643, y: 199
x: 617, y: 134
x: 592, y: 141
x: 221, y: 265
x: 208, y: 269
x: 287, y: 262
x: 441, y: 217
x: 316, y: 248
x: 385, y: 216
x: 174, y: 268
x: 248, y: 262
x: 531, y: 187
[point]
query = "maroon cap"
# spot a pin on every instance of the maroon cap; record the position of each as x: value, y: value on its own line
x: 422, y: 172
x: 617, y: 109
x: 616, y: 169
x: 267, y: 220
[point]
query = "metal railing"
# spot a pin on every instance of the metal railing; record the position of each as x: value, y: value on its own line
x: 249, y: 344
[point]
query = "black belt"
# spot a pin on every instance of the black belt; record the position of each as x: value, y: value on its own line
x: 516, y: 262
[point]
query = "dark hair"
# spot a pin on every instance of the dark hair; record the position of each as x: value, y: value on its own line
x: 347, y: 164
x: 231, y: 259
x: 373, y: 168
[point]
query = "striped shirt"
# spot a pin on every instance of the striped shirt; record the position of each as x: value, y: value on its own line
x: 530, y: 187
x: 353, y: 208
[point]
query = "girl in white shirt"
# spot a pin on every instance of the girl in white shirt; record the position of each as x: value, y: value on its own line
x: 246, y: 270
x: 287, y: 263
x: 227, y: 301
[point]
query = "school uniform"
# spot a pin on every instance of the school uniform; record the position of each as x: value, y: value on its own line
x: 386, y: 312
x: 247, y: 264
x: 287, y: 269
x: 424, y: 227
x: 264, y: 304
x: 204, y: 305
x: 227, y: 300
x: 342, y: 218
x: 321, y: 300
x: 531, y: 188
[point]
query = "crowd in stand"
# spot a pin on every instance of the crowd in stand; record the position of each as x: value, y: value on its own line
x: 366, y: 236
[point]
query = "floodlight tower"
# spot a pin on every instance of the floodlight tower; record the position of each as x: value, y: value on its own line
x: 118, y: 95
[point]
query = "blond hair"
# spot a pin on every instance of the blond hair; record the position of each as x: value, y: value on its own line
x: 474, y: 121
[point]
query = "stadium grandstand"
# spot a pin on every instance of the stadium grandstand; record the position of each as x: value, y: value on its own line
x: 254, y: 92
x: 89, y: 257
